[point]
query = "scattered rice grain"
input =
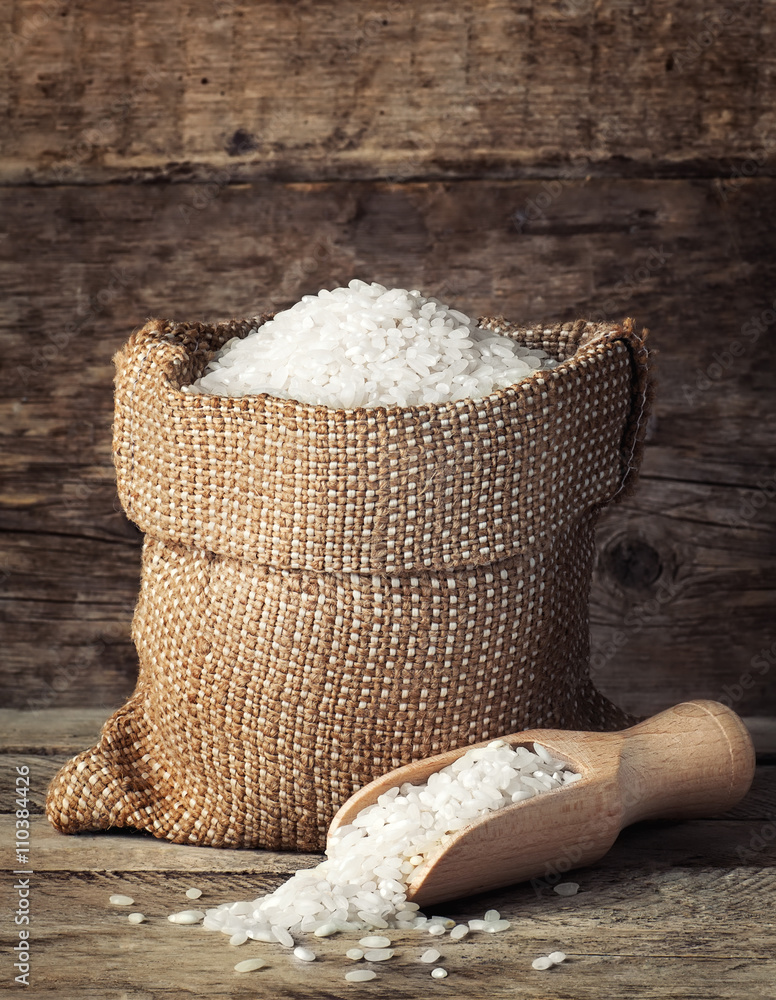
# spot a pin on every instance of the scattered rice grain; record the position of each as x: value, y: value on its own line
x: 250, y: 965
x: 186, y: 917
x: 362, y: 883
x: 378, y: 954
x: 375, y: 941
x: 496, y: 926
x: 326, y: 929
x: 360, y: 975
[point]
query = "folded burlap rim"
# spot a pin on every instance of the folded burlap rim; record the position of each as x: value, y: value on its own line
x: 183, y: 459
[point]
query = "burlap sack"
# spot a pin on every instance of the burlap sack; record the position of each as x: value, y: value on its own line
x: 328, y: 594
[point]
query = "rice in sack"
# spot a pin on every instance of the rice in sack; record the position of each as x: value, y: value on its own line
x: 331, y: 592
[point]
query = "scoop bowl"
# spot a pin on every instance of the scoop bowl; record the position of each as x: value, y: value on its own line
x: 693, y: 760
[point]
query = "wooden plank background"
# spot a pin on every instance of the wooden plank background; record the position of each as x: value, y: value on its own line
x: 217, y: 158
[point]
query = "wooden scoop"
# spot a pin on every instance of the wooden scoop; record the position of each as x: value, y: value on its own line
x: 695, y: 759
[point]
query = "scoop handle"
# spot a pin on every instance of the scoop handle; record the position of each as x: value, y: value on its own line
x: 695, y: 759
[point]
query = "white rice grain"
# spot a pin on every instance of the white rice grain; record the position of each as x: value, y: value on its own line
x: 354, y: 888
x: 496, y: 926
x: 378, y: 954
x: 375, y: 941
x: 282, y: 936
x: 326, y: 929
x: 250, y: 965
x: 367, y: 345
x: 360, y: 975
x: 186, y: 917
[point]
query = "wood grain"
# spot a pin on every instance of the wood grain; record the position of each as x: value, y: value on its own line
x: 223, y: 89
x: 663, y: 924
x: 125, y: 850
x: 40, y: 771
x: 212, y: 158
x: 674, y: 909
x: 49, y: 731
x: 696, y: 539
x: 643, y: 933
x: 43, y: 740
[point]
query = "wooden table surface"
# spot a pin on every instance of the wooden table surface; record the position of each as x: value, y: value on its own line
x: 209, y: 158
x: 676, y: 909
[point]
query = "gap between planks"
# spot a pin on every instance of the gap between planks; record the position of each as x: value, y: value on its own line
x: 71, y: 730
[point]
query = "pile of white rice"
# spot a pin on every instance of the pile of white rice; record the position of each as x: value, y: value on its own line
x: 365, y: 346
x: 362, y: 884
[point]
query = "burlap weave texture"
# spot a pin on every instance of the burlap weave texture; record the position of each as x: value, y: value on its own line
x: 327, y: 594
